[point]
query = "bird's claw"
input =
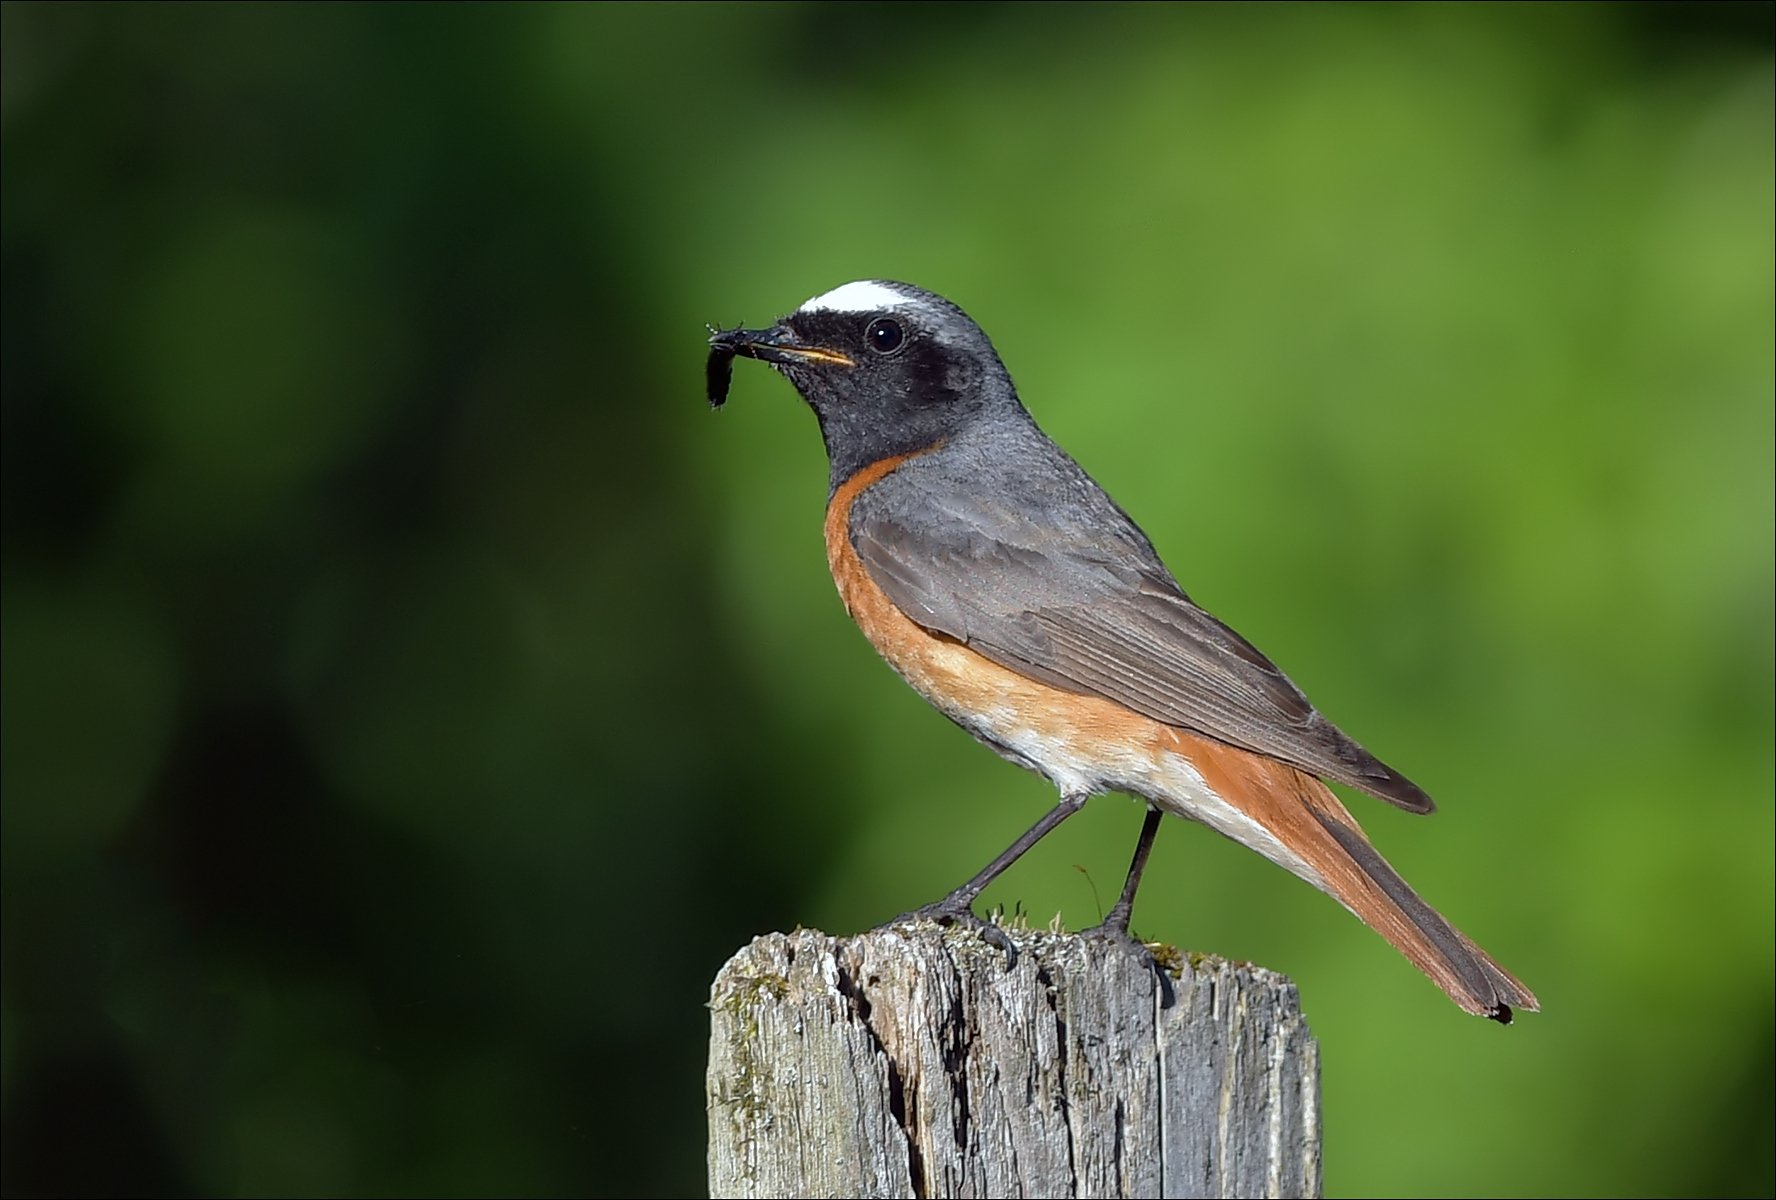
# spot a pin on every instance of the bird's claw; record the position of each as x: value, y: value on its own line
x: 953, y: 911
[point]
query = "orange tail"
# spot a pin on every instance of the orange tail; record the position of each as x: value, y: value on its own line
x: 1358, y: 877
x: 1312, y: 835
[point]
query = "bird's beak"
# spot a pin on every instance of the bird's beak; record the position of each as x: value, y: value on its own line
x: 778, y: 345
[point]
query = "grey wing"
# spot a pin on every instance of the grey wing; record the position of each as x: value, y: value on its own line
x: 1091, y: 609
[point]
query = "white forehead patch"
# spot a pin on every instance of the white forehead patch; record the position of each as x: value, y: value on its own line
x: 861, y: 296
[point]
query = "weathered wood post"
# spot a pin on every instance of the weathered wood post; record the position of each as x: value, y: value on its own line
x: 909, y: 1061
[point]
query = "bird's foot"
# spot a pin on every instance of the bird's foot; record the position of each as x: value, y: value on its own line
x: 1117, y: 934
x: 957, y: 910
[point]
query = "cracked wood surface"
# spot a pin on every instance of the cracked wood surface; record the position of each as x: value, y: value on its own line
x: 908, y: 1061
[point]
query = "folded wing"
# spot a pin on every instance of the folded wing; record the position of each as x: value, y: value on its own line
x: 1073, y: 595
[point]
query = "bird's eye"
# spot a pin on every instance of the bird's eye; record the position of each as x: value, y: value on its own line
x: 884, y: 335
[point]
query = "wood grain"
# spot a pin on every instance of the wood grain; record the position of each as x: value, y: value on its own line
x: 909, y: 1061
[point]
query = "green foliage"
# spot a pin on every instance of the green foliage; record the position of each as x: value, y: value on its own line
x: 412, y: 693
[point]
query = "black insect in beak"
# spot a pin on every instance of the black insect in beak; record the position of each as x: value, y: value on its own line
x: 720, y: 369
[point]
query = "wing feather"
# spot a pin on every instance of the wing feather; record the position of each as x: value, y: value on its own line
x: 1095, y: 612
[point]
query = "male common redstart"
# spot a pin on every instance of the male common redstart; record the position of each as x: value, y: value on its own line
x: 1001, y: 582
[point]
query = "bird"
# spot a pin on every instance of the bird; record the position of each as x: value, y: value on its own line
x: 1001, y: 582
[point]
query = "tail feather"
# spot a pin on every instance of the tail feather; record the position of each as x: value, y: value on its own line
x: 1355, y: 874
x: 1294, y: 820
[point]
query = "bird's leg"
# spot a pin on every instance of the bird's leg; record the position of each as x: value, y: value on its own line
x: 957, y: 908
x: 1115, y: 926
x: 1118, y: 918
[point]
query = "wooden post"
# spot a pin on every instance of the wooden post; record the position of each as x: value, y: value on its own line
x: 909, y: 1061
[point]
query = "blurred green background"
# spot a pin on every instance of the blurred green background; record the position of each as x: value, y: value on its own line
x: 412, y: 693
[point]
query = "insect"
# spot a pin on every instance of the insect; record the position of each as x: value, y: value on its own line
x: 720, y: 371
